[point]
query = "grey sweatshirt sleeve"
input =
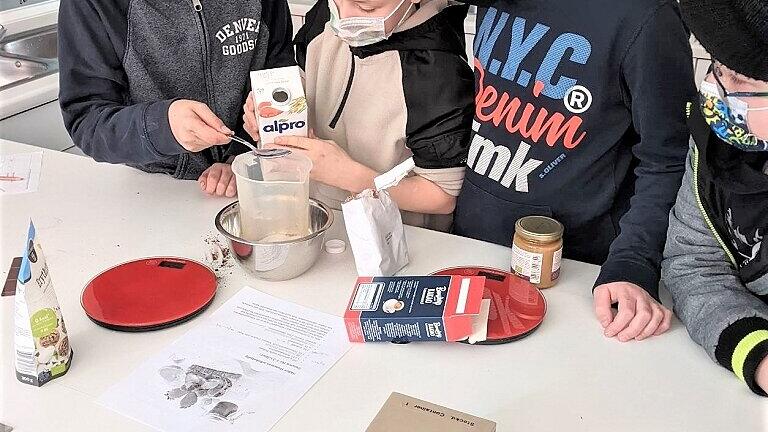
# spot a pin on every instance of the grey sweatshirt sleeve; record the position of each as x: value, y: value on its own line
x: 94, y: 91
x: 721, y: 315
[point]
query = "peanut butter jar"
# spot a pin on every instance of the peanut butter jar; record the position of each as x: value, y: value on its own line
x: 537, y: 250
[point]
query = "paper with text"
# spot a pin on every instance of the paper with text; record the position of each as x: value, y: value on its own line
x: 240, y: 370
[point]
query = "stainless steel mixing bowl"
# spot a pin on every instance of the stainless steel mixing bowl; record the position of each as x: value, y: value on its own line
x: 280, y: 260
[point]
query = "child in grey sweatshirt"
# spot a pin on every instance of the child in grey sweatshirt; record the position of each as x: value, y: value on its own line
x: 715, y: 262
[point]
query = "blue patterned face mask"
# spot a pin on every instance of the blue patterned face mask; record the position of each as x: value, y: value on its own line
x: 728, y: 119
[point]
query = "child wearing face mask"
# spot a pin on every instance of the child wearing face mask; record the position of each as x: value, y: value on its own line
x: 716, y: 260
x: 386, y: 80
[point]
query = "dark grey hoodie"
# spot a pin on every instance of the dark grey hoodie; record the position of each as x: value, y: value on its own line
x: 123, y: 62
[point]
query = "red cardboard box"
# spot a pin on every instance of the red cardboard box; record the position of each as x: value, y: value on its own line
x: 413, y: 308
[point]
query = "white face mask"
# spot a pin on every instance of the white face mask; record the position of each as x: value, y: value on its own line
x: 361, y: 31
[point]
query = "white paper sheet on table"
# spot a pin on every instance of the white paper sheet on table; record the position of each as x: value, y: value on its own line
x: 20, y: 173
x: 240, y: 370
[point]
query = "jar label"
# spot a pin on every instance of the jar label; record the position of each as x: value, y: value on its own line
x: 527, y: 264
x: 556, y: 259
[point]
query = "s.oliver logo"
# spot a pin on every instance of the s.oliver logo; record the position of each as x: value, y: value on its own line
x: 239, y: 36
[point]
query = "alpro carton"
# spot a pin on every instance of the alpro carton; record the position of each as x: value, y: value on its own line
x: 413, y: 308
x: 281, y: 106
x: 42, y: 345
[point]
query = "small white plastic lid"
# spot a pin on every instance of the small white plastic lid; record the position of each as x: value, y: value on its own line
x: 335, y: 246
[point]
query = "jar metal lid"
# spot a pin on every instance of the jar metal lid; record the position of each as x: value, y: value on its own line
x: 540, y: 229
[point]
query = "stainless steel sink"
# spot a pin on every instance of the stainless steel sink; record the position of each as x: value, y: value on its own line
x: 29, y: 55
x: 40, y: 43
x: 19, y: 70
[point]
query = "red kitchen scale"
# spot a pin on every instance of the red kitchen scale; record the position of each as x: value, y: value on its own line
x: 149, y: 294
x: 517, y: 306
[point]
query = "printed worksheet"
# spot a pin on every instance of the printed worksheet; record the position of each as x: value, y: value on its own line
x: 20, y: 173
x: 240, y: 370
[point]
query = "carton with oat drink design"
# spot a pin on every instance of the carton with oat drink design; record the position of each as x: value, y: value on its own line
x: 281, y: 106
x: 42, y: 345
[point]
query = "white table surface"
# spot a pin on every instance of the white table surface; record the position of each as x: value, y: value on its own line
x: 565, y: 377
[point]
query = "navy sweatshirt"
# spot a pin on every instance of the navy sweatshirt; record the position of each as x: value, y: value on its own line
x: 123, y: 62
x: 580, y: 115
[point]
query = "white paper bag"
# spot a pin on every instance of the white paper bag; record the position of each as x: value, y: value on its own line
x: 375, y: 227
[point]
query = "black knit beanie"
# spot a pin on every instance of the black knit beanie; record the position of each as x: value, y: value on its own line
x: 734, y: 32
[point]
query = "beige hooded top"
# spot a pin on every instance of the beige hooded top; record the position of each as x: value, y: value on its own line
x: 409, y: 95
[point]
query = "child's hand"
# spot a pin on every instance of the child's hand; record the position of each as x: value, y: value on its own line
x: 218, y: 180
x: 761, y: 375
x: 639, y: 317
x: 330, y: 163
x: 251, y: 123
x: 195, y: 126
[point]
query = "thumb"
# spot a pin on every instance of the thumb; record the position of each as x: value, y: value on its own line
x: 209, y: 117
x: 602, y: 303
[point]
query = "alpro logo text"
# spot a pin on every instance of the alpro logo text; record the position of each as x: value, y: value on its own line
x: 282, y: 126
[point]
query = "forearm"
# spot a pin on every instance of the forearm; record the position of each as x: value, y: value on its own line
x: 419, y: 195
x: 710, y: 298
x: 661, y: 48
x: 635, y: 255
x: 721, y: 315
x: 415, y: 194
x: 121, y: 134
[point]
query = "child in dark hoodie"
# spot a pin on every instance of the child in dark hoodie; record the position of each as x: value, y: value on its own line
x: 580, y: 117
x: 159, y: 84
x: 386, y: 80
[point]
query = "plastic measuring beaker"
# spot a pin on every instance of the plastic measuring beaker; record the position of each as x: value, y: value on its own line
x: 274, y: 196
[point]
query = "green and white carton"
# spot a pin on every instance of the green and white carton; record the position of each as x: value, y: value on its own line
x: 42, y: 346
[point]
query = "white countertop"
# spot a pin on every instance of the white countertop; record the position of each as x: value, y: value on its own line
x: 566, y: 376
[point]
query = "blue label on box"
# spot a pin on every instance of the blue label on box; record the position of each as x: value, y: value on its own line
x: 407, y: 308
